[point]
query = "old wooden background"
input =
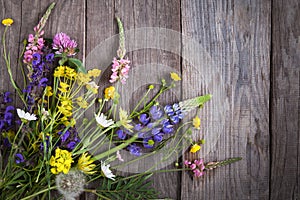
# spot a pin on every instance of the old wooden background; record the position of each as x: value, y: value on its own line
x: 255, y: 45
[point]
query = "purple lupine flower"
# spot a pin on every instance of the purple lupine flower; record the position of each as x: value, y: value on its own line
x: 19, y: 158
x: 64, y: 135
x: 62, y: 43
x: 144, y: 119
x: 148, y: 143
x: 43, y: 82
x: 158, y: 137
x: 6, y: 98
x: 134, y: 149
x: 6, y: 142
x: 71, y: 145
x: 174, y: 113
x: 156, y: 113
x: 121, y: 134
x: 50, y: 57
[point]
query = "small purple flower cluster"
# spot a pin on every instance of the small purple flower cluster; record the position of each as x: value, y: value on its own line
x: 6, y: 112
x: 153, y: 126
x: 68, y: 139
x: 39, y: 77
x: 120, y: 69
x: 62, y: 43
x: 197, y: 167
x: 19, y: 158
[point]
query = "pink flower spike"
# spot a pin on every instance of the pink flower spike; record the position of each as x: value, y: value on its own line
x: 193, y: 166
x: 30, y: 38
x: 202, y: 167
x: 197, y: 173
x: 186, y: 162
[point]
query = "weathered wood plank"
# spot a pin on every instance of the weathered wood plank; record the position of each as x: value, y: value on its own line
x: 285, y: 157
x: 10, y: 9
x: 234, y: 66
x: 101, y: 25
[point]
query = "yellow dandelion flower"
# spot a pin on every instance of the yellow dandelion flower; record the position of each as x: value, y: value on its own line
x: 7, y: 22
x: 109, y: 92
x: 196, y: 122
x: 195, y: 148
x: 175, y: 76
x: 94, y: 72
x: 85, y: 164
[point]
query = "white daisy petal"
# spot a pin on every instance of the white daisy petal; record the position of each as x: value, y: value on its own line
x: 106, y: 171
x: 102, y: 120
x: 25, y: 115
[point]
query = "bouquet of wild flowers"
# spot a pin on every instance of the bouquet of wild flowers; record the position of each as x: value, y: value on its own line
x: 47, y: 143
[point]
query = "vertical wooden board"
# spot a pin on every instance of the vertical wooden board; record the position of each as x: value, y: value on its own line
x: 234, y: 62
x: 10, y: 9
x: 285, y: 157
x: 149, y: 64
x: 100, y: 25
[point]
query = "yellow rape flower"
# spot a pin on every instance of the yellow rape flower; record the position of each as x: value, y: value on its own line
x: 61, y: 162
x: 85, y: 164
x: 81, y: 102
x: 67, y: 122
x: 65, y: 110
x: 7, y: 22
x: 94, y: 72
x: 83, y: 78
x: 109, y: 92
x: 70, y: 73
x: 49, y: 92
x: 175, y: 76
x: 59, y: 71
x: 195, y: 148
x: 196, y: 122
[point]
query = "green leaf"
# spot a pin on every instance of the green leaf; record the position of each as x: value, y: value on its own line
x: 62, y: 61
x: 77, y: 64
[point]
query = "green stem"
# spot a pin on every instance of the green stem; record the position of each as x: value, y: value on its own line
x: 7, y: 62
x: 40, y: 192
x: 117, y: 148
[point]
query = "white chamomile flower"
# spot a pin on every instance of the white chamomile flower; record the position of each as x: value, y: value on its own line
x: 25, y: 115
x: 102, y: 120
x: 106, y: 171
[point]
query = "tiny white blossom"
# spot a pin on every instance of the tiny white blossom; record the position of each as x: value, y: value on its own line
x: 102, y: 120
x: 106, y: 171
x: 27, y: 116
x: 119, y: 156
x: 92, y: 84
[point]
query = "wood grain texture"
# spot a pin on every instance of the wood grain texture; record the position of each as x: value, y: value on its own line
x: 235, y: 41
x: 285, y: 100
x: 230, y: 49
x: 10, y: 9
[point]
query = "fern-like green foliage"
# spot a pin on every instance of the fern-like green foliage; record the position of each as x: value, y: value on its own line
x: 133, y: 188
